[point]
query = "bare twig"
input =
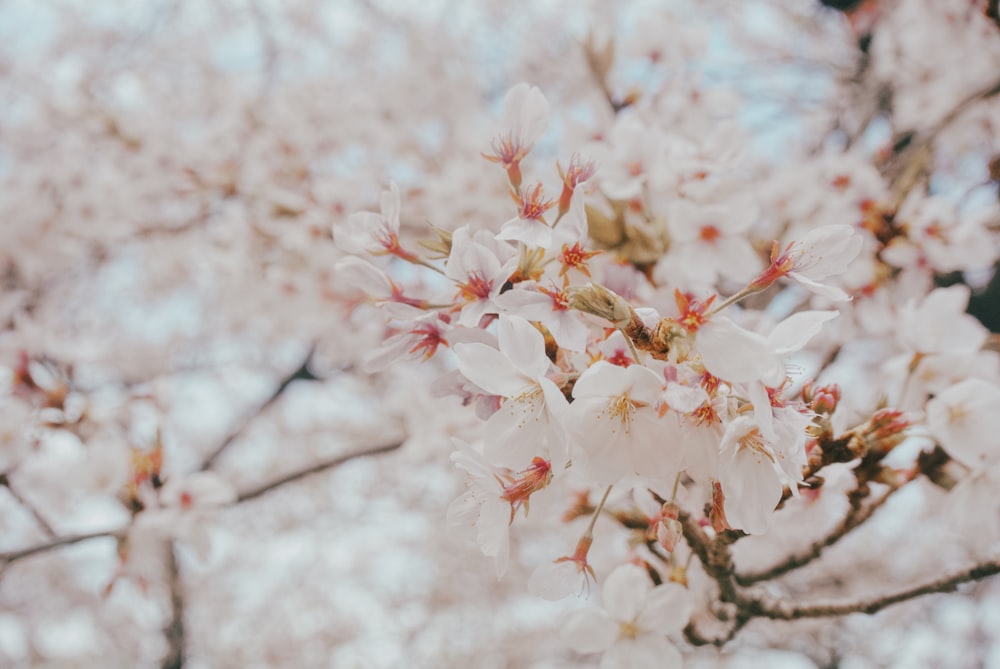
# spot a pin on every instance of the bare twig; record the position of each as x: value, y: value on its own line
x: 174, y: 631
x: 717, y: 561
x: 301, y: 373
x: 12, y: 556
x: 904, y: 169
x: 696, y: 638
x: 35, y: 513
x: 855, y: 517
x: 786, y: 610
x: 313, y: 469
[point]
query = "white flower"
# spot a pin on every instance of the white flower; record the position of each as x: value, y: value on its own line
x: 527, y: 423
x: 966, y: 420
x: 631, y: 630
x: 480, y: 276
x: 366, y: 231
x: 632, y: 154
x: 549, y: 306
x: 529, y: 226
x: 707, y: 241
x: 939, y: 324
x: 379, y: 287
x: 525, y: 115
x: 616, y: 427
x: 749, y: 476
x: 419, y: 338
x: 493, y: 497
x: 822, y: 253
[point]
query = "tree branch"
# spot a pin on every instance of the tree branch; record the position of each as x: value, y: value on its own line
x: 174, y: 631
x: 313, y: 469
x: 12, y: 556
x: 35, y: 513
x: 855, y: 517
x: 696, y: 638
x: 301, y: 373
x: 717, y: 561
x: 785, y: 610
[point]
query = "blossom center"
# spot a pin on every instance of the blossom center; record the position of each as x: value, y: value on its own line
x: 628, y: 630
x: 709, y: 234
x: 476, y: 288
x: 622, y: 408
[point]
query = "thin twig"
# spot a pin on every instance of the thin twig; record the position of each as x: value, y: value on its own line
x: 35, y: 513
x: 717, y: 561
x: 696, y: 638
x: 855, y: 517
x: 174, y: 631
x: 786, y: 610
x: 12, y: 556
x: 301, y: 373
x: 313, y: 469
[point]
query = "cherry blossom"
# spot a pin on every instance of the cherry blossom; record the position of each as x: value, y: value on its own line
x: 616, y: 428
x: 822, y: 253
x: 631, y: 629
x: 528, y: 420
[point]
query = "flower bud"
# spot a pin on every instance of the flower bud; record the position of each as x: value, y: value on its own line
x: 668, y: 531
x: 824, y: 399
x: 597, y: 300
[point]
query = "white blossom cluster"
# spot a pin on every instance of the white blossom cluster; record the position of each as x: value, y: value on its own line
x: 631, y: 335
x: 642, y: 314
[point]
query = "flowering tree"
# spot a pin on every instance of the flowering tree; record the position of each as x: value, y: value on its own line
x: 699, y: 298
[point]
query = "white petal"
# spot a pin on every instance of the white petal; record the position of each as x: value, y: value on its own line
x: 625, y: 592
x: 795, y: 331
x: 589, y: 631
x: 523, y: 345
x: 556, y: 580
x: 965, y: 418
x: 491, y: 370
x: 829, y: 292
x: 668, y: 609
x: 645, y: 652
x: 530, y: 231
x: 753, y: 488
x: 734, y: 354
x: 602, y: 379
x: 390, y: 207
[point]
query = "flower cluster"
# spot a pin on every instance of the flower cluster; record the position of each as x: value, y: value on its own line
x: 628, y: 337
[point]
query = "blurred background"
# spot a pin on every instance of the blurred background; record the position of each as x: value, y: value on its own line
x: 169, y: 175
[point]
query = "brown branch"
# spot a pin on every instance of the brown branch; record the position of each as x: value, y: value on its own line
x: 717, y: 562
x: 301, y: 373
x: 856, y: 516
x: 785, y: 610
x: 696, y: 638
x: 35, y: 513
x: 314, y: 469
x: 905, y: 167
x: 174, y: 630
x: 12, y: 556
